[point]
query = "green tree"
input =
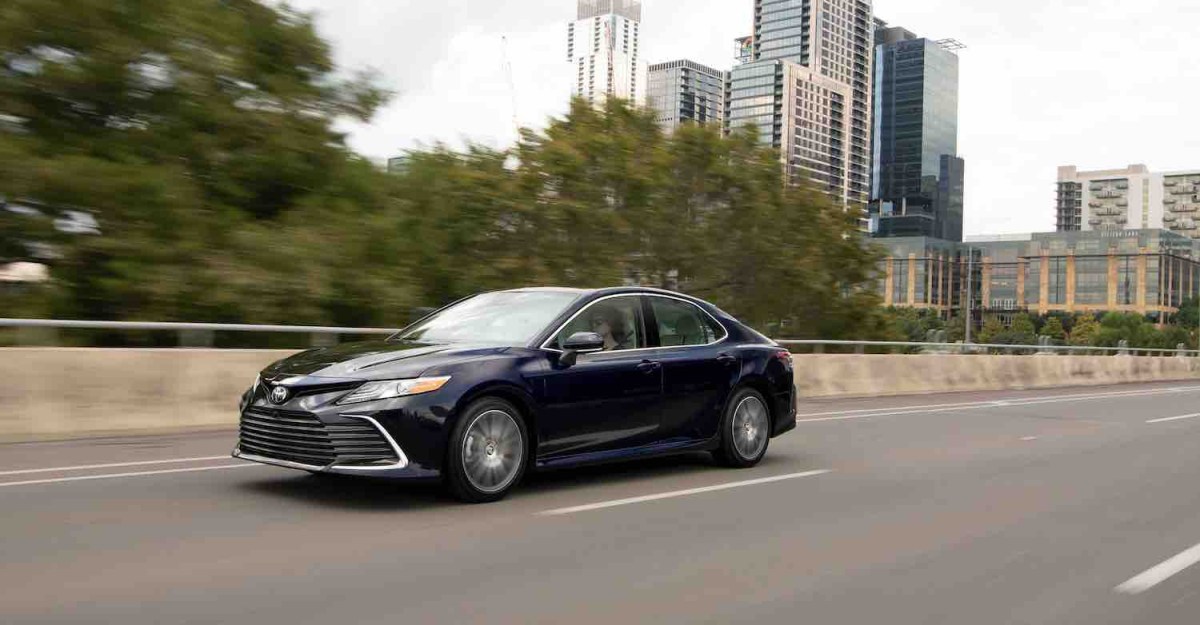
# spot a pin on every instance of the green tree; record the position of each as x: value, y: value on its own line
x: 1084, y: 331
x: 1054, y: 329
x: 992, y: 328
x: 180, y: 125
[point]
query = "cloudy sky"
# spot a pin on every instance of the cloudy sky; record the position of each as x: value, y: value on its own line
x: 1094, y: 83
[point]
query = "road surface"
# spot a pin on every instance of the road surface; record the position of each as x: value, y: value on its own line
x: 1068, y: 506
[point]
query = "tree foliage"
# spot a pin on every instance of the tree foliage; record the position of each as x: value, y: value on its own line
x: 202, y: 134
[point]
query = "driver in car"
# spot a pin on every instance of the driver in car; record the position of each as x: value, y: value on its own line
x: 610, y: 324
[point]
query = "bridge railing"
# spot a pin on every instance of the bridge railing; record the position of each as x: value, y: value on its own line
x: 43, y: 332
x: 1044, y: 348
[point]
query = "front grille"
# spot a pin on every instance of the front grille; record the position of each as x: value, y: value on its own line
x: 301, y: 437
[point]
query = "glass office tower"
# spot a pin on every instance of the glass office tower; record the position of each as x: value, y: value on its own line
x: 917, y: 176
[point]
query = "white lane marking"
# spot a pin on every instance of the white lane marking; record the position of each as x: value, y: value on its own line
x: 679, y: 493
x: 109, y: 476
x: 1029, y: 439
x: 1031, y: 401
x: 85, y: 467
x: 1160, y: 573
x: 1180, y: 418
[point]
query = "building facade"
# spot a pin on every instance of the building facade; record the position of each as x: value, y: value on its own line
x: 917, y: 176
x: 683, y: 90
x: 808, y: 62
x: 1128, y: 199
x: 602, y: 45
x: 1148, y: 272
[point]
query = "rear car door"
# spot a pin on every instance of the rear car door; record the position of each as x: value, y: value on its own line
x: 608, y: 400
x: 699, y: 368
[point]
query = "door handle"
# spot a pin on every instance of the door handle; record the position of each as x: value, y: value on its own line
x: 727, y: 360
x: 649, y: 366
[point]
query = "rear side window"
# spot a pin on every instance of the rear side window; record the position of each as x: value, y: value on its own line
x: 681, y: 323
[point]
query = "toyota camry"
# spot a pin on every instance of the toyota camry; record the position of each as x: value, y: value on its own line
x: 489, y: 388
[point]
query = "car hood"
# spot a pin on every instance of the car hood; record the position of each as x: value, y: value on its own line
x: 378, y: 360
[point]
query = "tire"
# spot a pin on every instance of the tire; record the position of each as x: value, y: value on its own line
x: 745, y: 430
x: 489, y: 449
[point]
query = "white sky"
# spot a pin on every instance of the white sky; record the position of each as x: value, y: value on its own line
x: 1093, y: 83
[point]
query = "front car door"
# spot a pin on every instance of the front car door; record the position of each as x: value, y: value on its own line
x: 608, y: 400
x: 699, y: 368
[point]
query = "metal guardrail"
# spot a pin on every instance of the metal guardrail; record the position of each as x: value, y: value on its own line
x: 201, y: 335
x: 861, y: 347
x: 192, y: 334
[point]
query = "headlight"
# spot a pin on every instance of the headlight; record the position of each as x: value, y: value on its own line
x: 372, y: 391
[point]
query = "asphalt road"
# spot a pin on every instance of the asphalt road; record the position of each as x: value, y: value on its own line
x: 1071, y: 506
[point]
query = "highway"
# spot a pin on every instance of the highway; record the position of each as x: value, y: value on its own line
x: 1066, y: 506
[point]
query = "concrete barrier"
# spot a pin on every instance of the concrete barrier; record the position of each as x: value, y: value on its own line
x: 65, y: 393
x: 854, y: 376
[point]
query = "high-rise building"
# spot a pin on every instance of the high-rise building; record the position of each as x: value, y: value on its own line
x: 1128, y: 199
x: 807, y: 87
x: 683, y: 90
x: 602, y: 45
x: 917, y: 177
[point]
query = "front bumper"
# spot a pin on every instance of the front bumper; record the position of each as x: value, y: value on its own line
x: 413, y: 428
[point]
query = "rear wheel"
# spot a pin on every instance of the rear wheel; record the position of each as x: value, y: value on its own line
x: 745, y: 430
x: 487, y: 452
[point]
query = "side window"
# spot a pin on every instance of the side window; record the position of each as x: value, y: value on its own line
x: 681, y: 323
x: 618, y: 320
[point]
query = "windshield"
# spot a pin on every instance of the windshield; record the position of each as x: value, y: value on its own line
x: 510, y: 318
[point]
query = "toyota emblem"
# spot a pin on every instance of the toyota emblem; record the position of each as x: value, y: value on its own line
x: 279, y: 394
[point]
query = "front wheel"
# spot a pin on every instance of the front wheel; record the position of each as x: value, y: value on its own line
x: 745, y: 430
x: 487, y: 452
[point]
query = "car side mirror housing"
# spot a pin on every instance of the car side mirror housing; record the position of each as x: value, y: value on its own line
x: 580, y: 343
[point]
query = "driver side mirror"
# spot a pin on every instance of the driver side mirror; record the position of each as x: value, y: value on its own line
x: 580, y: 343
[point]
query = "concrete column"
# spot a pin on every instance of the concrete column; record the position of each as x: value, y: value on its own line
x: 930, y: 269
x: 1113, y: 279
x: 1044, y: 287
x: 1141, y: 280
x: 1168, y: 289
x: 889, y: 287
x: 985, y: 292
x: 1071, y: 280
x: 1022, y: 269
x: 912, y: 279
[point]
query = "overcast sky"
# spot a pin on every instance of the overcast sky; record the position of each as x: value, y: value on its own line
x: 1094, y: 83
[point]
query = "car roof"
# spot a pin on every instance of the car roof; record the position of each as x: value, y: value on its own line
x: 606, y: 291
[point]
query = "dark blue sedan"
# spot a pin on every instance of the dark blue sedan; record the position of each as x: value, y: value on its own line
x: 498, y: 384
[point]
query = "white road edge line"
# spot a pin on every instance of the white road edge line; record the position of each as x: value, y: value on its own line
x: 1180, y: 418
x: 1011, y: 403
x: 109, y: 476
x: 679, y: 493
x: 85, y: 467
x: 1160, y: 573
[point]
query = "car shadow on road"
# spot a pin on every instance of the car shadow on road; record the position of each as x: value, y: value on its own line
x: 353, y: 493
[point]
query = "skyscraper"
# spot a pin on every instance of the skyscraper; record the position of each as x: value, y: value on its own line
x: 807, y: 87
x: 602, y: 45
x: 686, y: 91
x: 917, y: 187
